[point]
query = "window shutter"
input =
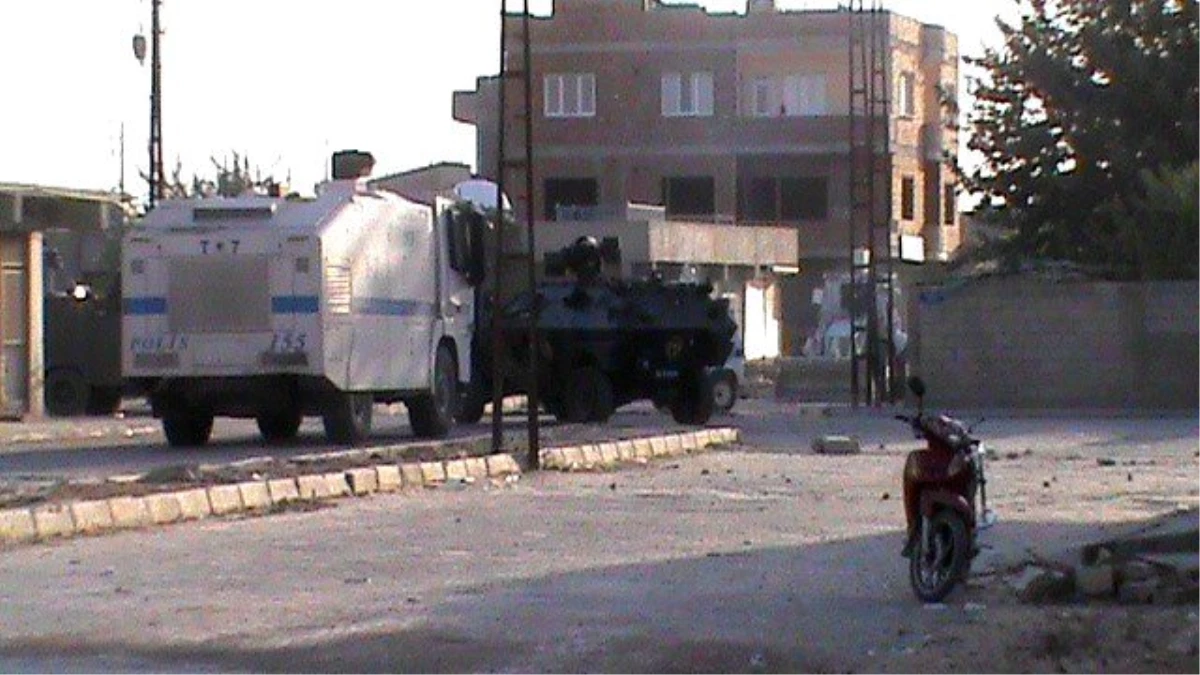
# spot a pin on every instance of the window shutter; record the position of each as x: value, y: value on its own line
x: 587, y: 94
x: 702, y: 87
x: 553, y: 95
x: 671, y: 87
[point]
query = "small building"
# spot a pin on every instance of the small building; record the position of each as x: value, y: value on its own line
x: 49, y: 239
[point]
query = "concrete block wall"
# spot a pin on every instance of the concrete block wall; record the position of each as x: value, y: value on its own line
x: 1025, y: 343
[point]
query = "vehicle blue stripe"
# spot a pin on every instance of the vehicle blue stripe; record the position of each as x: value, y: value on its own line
x: 146, y: 306
x: 295, y: 304
x: 391, y: 307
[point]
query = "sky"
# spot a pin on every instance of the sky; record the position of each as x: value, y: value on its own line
x: 281, y: 81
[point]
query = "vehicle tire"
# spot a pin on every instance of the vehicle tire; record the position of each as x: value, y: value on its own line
x: 724, y: 391
x: 187, y: 428
x: 104, y: 400
x: 693, y: 403
x: 939, y: 563
x: 66, y: 393
x: 347, y: 417
x: 279, y: 426
x: 432, y: 415
x: 589, y: 396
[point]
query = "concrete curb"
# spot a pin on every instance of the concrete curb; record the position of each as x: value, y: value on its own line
x: 43, y: 522
x: 609, y: 454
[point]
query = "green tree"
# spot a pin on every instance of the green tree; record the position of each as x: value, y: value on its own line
x: 1084, y: 118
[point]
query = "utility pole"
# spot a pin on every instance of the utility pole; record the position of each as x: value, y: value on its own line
x: 156, y: 149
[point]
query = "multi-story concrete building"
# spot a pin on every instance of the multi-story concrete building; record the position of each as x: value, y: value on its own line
x: 735, y: 119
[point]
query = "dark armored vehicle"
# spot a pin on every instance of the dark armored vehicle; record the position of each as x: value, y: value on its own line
x: 604, y: 343
x: 82, y: 341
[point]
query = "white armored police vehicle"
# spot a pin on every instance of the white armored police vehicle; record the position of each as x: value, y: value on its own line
x: 275, y: 308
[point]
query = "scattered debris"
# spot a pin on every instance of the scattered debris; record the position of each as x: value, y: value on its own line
x: 836, y: 445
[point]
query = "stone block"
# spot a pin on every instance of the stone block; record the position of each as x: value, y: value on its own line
x: 412, y: 475
x: 572, y: 457
x: 255, y: 495
x: 194, y: 503
x: 658, y: 446
x: 312, y: 486
x: 363, y: 481
x: 129, y: 512
x: 501, y: 465
x: 283, y: 490
x: 609, y: 454
x: 836, y: 445
x: 689, y: 442
x: 456, y: 470
x: 225, y: 499
x: 1041, y: 586
x: 16, y: 525
x: 163, y: 508
x: 433, y: 472
x: 1095, y: 580
x: 388, y: 477
x: 643, y: 448
x: 476, y: 467
x: 625, y: 450
x: 338, y: 485
x: 1140, y: 592
x: 53, y: 520
x: 674, y: 445
x: 91, y: 516
x: 591, y: 456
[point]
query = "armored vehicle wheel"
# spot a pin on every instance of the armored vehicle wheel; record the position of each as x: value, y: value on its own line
x: 104, y: 400
x: 279, y: 425
x: 589, y: 396
x: 432, y: 415
x: 66, y: 393
x: 724, y: 391
x: 347, y: 417
x: 693, y: 402
x: 187, y: 428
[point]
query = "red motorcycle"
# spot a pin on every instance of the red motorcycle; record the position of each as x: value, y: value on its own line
x: 941, y: 482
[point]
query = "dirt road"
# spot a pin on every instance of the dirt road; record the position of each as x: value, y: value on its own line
x: 765, y: 558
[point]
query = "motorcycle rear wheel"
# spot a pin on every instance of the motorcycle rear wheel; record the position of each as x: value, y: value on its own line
x: 940, y: 561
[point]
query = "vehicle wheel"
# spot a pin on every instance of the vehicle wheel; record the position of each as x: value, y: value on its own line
x: 279, y: 426
x: 940, y: 561
x: 347, y: 417
x: 724, y: 391
x: 693, y: 403
x: 589, y: 396
x: 432, y: 415
x: 66, y: 393
x: 104, y: 400
x: 187, y: 428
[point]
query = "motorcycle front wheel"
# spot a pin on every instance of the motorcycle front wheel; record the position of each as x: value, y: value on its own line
x: 940, y: 560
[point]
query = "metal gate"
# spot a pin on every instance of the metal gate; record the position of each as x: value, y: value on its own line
x: 14, y: 326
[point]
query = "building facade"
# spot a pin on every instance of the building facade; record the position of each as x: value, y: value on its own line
x: 733, y: 119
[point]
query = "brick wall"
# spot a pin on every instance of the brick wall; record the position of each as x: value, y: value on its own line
x: 1021, y: 343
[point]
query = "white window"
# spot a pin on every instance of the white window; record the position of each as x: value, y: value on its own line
x: 687, y: 95
x: 804, y: 95
x: 905, y: 91
x: 763, y: 97
x: 570, y: 95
